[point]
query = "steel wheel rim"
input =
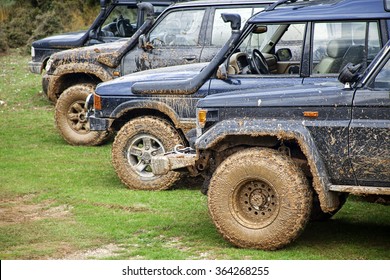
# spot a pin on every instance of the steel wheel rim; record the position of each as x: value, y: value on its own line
x: 77, y: 117
x: 140, y: 151
x: 254, y: 203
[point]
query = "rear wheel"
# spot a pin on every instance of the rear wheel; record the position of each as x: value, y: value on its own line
x: 71, y: 117
x: 137, y: 142
x: 260, y: 199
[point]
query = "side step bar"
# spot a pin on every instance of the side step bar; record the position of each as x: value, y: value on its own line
x: 360, y: 189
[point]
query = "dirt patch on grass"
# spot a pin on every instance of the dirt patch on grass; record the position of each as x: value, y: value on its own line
x: 22, y: 210
x: 106, y: 251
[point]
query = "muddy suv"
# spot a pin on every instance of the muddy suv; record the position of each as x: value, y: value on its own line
x: 267, y: 153
x: 117, y: 19
x: 184, y: 33
x: 154, y: 110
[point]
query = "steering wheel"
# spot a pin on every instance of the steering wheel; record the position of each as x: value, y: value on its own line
x: 258, y: 63
x: 123, y: 27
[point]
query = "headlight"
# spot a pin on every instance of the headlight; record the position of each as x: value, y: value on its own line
x: 48, y: 64
x: 32, y: 52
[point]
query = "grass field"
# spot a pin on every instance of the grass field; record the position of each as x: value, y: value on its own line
x: 63, y: 202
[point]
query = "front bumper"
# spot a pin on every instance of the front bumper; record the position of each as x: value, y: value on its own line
x: 162, y: 164
x: 35, y: 67
x: 99, y: 124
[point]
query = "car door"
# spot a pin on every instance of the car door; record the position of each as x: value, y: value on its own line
x: 369, y: 132
x: 175, y: 40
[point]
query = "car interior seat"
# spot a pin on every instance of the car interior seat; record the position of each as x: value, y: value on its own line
x: 331, y: 63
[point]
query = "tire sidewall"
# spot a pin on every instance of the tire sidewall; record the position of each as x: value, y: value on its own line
x: 152, y: 126
x: 70, y: 96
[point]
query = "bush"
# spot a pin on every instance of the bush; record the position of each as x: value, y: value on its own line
x: 3, y: 42
x: 25, y: 21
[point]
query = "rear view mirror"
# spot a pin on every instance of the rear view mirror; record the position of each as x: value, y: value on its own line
x: 260, y: 29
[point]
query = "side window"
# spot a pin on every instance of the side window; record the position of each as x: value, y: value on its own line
x: 180, y: 28
x: 382, y: 80
x: 221, y: 30
x: 122, y: 22
x: 270, y: 49
x: 337, y: 43
x: 292, y: 39
x: 374, y: 41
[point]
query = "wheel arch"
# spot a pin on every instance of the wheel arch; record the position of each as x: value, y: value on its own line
x: 68, y: 75
x: 133, y: 109
x: 267, y: 133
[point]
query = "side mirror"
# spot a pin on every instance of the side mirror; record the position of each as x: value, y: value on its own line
x: 141, y: 41
x: 350, y: 74
x: 221, y: 72
x: 92, y: 34
x: 284, y: 54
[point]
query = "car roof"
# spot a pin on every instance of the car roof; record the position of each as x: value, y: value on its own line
x: 221, y: 3
x: 314, y: 10
x: 157, y: 2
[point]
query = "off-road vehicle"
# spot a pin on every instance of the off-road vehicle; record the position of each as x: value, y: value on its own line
x: 266, y: 153
x: 117, y: 19
x: 184, y: 33
x: 287, y: 44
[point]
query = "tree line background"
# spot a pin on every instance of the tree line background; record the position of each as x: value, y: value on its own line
x: 24, y: 21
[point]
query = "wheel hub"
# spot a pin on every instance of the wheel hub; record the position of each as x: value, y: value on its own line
x: 77, y: 117
x: 140, y: 152
x: 255, y: 203
x: 257, y: 199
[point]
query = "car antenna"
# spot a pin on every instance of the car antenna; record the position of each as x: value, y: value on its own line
x: 277, y: 3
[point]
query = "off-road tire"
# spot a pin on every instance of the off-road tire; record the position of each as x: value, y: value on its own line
x: 130, y: 151
x: 71, y: 117
x: 259, y: 198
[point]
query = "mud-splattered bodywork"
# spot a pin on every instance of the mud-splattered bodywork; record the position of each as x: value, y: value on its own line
x: 342, y: 133
x: 103, y: 62
x: 42, y: 49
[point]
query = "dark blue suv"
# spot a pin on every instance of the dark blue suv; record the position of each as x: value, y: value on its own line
x: 290, y: 43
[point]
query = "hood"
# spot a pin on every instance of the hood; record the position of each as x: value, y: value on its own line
x: 292, y: 96
x: 86, y: 54
x: 122, y: 85
x: 62, y: 41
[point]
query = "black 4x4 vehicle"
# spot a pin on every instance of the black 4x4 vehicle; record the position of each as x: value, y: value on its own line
x: 184, y: 33
x: 117, y: 19
x: 269, y: 152
x: 304, y: 42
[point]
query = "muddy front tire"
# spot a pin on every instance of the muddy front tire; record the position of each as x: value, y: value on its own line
x: 134, y: 146
x: 259, y: 199
x: 71, y: 117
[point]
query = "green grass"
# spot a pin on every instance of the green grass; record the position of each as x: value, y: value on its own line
x: 58, y: 201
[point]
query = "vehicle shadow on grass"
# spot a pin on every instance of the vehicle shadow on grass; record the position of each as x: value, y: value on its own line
x: 362, y: 239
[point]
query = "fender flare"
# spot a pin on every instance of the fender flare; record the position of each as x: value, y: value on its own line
x: 74, y: 68
x: 283, y: 130
x: 161, y: 107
